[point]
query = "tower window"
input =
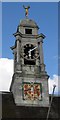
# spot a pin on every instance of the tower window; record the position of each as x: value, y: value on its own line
x: 29, y: 62
x: 28, y: 31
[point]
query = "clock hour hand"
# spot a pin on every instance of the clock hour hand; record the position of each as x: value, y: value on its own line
x: 29, y: 53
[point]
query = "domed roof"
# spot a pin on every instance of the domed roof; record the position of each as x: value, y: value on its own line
x: 28, y: 23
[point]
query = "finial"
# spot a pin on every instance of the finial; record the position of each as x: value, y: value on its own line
x: 26, y: 10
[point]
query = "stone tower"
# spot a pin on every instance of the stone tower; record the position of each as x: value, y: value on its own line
x: 30, y: 80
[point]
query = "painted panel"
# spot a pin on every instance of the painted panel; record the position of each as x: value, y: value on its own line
x: 32, y: 91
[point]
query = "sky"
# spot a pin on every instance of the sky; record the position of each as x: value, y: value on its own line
x: 45, y: 14
x: 47, y: 20
x: 30, y: 1
x: 59, y: 39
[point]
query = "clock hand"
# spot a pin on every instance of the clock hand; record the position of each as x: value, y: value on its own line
x: 29, y: 53
x: 32, y: 50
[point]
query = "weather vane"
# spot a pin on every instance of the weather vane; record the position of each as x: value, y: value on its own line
x: 26, y: 10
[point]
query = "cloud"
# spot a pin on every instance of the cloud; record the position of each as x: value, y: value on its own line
x: 6, y: 72
x: 54, y: 81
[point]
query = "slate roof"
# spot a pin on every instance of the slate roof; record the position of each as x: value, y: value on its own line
x: 10, y: 110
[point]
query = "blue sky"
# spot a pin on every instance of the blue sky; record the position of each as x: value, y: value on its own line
x: 59, y: 38
x: 45, y: 15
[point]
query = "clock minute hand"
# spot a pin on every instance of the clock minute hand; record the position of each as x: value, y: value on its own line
x: 31, y: 50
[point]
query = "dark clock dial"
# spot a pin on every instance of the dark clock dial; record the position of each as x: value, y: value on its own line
x: 26, y: 51
x: 30, y: 55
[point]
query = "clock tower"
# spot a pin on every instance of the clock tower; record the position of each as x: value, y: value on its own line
x: 30, y: 80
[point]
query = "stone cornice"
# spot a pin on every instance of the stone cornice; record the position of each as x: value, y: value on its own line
x: 29, y: 35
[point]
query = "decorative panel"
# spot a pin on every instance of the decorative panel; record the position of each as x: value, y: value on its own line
x: 32, y: 91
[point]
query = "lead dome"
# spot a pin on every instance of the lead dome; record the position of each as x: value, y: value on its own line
x: 28, y: 23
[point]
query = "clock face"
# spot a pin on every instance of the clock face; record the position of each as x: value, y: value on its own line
x: 29, y: 52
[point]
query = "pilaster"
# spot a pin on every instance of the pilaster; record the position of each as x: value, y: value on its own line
x: 40, y: 49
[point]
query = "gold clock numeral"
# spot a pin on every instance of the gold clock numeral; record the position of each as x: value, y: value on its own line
x: 29, y: 45
x: 26, y: 56
x: 35, y: 54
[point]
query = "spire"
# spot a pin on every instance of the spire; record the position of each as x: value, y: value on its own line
x: 26, y: 10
